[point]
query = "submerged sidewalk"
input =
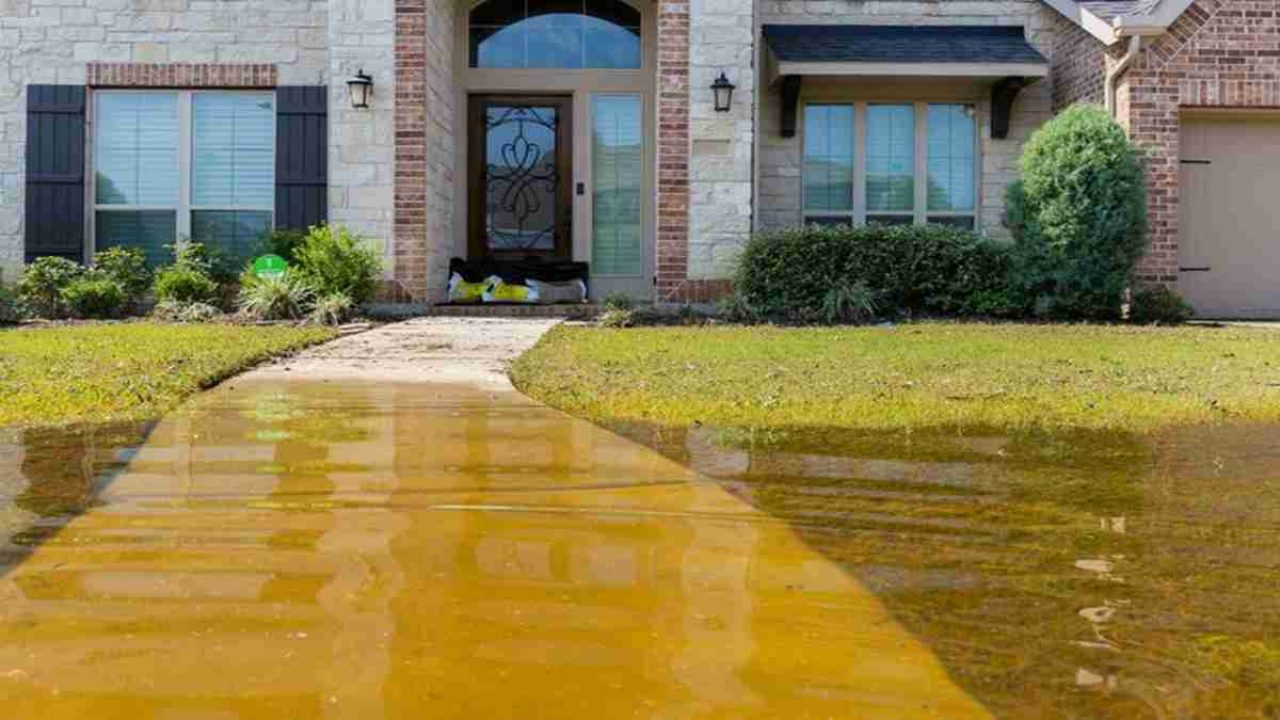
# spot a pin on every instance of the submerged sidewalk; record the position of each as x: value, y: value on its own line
x: 383, y: 528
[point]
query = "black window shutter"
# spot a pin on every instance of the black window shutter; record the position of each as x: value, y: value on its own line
x: 55, y: 204
x: 302, y: 157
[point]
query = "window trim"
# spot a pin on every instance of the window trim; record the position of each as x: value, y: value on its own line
x: 920, y: 213
x: 184, y: 208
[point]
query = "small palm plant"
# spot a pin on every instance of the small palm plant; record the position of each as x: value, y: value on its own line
x: 276, y: 297
x: 849, y: 302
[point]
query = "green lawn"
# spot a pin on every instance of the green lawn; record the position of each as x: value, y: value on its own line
x: 128, y: 371
x: 915, y: 376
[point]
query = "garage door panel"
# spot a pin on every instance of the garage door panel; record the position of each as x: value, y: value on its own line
x: 1229, y: 237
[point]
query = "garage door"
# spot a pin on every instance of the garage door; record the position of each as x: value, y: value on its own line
x: 1229, y: 241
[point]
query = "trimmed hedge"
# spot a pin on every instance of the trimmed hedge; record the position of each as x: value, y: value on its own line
x: 929, y: 270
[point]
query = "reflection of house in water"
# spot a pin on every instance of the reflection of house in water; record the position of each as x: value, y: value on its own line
x: 386, y: 550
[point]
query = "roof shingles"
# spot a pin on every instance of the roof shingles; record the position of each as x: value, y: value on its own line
x: 900, y: 44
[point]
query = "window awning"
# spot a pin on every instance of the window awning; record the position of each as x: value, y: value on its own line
x: 1000, y: 54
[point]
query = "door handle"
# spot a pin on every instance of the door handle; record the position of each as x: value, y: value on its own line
x: 580, y: 189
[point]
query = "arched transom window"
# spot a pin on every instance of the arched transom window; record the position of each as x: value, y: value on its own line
x: 596, y: 34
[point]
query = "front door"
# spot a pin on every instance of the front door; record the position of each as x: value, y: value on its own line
x: 521, y: 172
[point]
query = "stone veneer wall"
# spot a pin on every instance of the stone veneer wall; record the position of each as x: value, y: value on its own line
x: 306, y: 42
x: 1218, y: 54
x: 721, y: 160
x: 779, y: 195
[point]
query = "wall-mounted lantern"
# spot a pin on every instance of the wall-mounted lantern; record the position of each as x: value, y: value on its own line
x: 361, y: 86
x: 723, y: 91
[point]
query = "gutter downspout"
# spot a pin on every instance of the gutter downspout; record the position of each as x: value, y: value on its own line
x: 1113, y: 75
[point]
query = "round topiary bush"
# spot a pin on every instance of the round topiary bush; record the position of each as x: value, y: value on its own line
x: 1078, y: 215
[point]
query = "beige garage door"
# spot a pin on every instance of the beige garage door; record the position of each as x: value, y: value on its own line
x: 1229, y: 242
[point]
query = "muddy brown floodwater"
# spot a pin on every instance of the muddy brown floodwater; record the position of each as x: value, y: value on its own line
x: 308, y: 549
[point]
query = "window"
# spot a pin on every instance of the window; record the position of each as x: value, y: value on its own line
x: 555, y: 34
x: 617, y: 174
x: 184, y: 164
x: 913, y: 163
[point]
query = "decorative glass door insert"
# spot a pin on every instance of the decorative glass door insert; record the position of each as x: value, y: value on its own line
x: 521, y: 174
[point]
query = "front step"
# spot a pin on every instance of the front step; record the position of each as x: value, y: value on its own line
x: 570, y: 311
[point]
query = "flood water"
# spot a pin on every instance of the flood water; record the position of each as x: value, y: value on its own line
x: 344, y: 550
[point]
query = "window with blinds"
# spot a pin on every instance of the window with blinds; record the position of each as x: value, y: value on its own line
x: 912, y: 163
x: 617, y: 170
x: 179, y: 164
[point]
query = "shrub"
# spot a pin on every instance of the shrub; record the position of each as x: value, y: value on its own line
x: 735, y: 308
x: 283, y: 242
x: 209, y: 261
x: 127, y: 267
x: 42, y: 283
x: 281, y: 297
x: 334, y: 261
x: 185, y: 312
x: 1078, y: 215
x: 619, y: 301
x: 848, y: 302
x: 617, y: 318
x: 93, y: 295
x: 1158, y: 305
x: 11, y: 310
x: 331, y: 310
x: 184, y: 283
x: 924, y: 270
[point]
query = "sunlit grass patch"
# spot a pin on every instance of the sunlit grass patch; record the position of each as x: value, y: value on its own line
x: 127, y: 371
x: 914, y: 376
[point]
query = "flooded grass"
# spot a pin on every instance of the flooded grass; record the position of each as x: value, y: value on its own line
x: 115, y: 372
x: 1081, y: 574
x: 910, y: 377
x: 357, y: 543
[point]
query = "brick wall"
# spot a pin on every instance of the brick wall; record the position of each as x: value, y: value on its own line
x: 1078, y: 65
x: 410, y: 227
x: 1219, y: 54
x: 779, y: 192
x: 673, y: 148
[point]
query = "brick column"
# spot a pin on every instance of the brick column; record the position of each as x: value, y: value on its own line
x: 410, y: 224
x: 673, y: 148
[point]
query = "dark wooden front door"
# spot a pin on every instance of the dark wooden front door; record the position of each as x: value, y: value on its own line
x: 521, y: 171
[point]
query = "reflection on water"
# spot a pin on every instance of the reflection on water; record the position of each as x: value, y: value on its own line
x: 1079, y: 575
x: 49, y: 476
x: 364, y: 551
x: 316, y: 549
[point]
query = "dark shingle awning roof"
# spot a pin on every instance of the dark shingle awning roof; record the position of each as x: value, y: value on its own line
x: 894, y: 44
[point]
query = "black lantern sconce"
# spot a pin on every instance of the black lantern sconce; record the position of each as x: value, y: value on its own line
x: 361, y: 87
x: 723, y: 91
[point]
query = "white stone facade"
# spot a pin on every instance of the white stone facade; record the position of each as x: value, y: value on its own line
x: 311, y: 42
x: 721, y: 34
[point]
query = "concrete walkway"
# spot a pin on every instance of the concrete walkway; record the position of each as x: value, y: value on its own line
x: 472, y: 351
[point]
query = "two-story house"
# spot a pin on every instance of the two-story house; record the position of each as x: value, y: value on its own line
x: 646, y: 138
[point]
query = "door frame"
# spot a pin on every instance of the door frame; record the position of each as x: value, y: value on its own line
x: 582, y: 85
x: 477, y: 242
